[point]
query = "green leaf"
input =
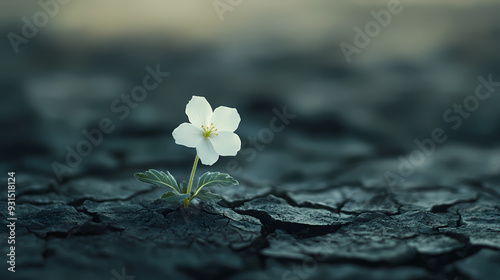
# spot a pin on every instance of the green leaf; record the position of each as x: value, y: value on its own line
x: 183, y: 186
x: 210, y: 179
x: 158, y: 178
x: 174, y: 197
x: 205, y: 195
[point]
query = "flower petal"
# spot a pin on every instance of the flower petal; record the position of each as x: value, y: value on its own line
x: 226, y: 143
x: 199, y: 111
x: 226, y: 119
x: 206, y: 152
x: 188, y: 135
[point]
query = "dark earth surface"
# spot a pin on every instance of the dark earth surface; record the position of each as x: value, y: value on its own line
x: 315, y: 218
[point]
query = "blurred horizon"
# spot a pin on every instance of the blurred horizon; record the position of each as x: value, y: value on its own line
x: 260, y: 56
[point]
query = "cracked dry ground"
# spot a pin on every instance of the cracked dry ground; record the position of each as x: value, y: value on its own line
x: 312, y: 221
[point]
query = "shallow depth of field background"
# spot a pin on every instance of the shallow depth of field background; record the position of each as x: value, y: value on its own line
x: 263, y: 55
x: 353, y: 123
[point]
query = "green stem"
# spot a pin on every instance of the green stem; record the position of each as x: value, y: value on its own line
x: 187, y: 200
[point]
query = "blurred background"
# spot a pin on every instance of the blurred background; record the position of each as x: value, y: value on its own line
x: 68, y: 66
x: 255, y: 56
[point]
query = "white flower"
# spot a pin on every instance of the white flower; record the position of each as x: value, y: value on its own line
x: 211, y: 133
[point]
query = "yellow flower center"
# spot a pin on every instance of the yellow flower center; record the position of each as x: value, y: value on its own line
x: 209, y: 130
